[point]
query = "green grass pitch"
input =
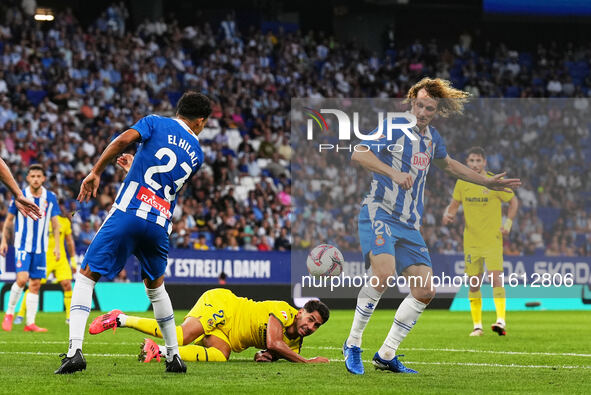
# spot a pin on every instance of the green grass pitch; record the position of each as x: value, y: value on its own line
x: 543, y: 352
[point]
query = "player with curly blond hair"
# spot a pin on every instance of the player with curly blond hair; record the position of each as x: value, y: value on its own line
x: 449, y: 99
x: 390, y: 217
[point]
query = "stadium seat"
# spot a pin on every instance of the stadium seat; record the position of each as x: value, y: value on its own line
x: 174, y: 97
x: 255, y: 144
x: 262, y: 162
x: 234, y: 138
x: 208, y: 133
x: 512, y: 91
x: 36, y: 96
x: 248, y: 182
x: 240, y: 192
x: 548, y: 216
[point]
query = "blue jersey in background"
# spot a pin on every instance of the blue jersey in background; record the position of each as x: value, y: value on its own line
x: 30, y: 235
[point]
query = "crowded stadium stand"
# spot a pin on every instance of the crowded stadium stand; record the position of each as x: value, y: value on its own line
x: 250, y: 217
x: 68, y: 88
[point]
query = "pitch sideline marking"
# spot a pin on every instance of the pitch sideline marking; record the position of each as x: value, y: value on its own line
x: 54, y: 354
x: 493, y: 365
x: 567, y: 354
x: 339, y: 348
x: 66, y: 342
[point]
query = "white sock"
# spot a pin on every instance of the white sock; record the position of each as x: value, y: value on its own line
x: 79, y: 311
x: 162, y: 350
x: 165, y: 316
x: 122, y: 320
x: 405, y: 318
x: 367, y: 300
x: 15, y: 294
x: 32, y: 304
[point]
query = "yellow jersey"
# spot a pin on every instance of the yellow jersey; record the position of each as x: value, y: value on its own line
x: 250, y: 323
x: 242, y: 322
x: 65, y: 229
x: 482, y: 213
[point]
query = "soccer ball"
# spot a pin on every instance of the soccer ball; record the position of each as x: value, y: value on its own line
x: 325, y: 260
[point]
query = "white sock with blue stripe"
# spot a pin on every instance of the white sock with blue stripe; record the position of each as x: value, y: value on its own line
x: 79, y: 311
x: 405, y: 318
x: 367, y: 300
x: 165, y: 317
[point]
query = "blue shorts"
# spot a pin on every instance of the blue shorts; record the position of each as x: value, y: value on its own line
x: 121, y: 235
x: 381, y: 234
x: 30, y: 262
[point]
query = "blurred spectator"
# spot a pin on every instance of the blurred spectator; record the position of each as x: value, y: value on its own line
x: 121, y: 277
x: 262, y: 244
x: 282, y: 242
x: 86, y: 234
x: 232, y: 244
x: 222, y: 278
x: 200, y: 244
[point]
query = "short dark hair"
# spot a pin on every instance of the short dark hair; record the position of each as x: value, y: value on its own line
x: 477, y: 151
x: 193, y: 105
x: 36, y: 166
x: 322, y: 309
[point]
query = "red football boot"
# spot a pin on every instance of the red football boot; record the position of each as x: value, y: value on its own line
x: 7, y: 322
x: 104, y: 322
x: 34, y: 328
x: 148, y: 351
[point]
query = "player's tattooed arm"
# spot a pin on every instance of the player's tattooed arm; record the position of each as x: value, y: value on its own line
x: 371, y: 162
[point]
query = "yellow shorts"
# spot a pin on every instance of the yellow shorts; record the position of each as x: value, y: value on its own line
x: 214, y: 310
x: 476, y: 259
x: 60, y: 269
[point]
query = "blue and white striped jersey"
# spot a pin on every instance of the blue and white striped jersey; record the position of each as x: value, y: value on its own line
x: 168, y: 156
x: 407, y: 156
x: 30, y: 235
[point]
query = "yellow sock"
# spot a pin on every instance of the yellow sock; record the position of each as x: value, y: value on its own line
x: 475, y: 299
x: 23, y: 309
x: 67, y: 302
x: 195, y: 353
x: 499, y: 299
x: 150, y: 326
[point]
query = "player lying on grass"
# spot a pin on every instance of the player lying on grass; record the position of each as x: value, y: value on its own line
x: 221, y: 322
